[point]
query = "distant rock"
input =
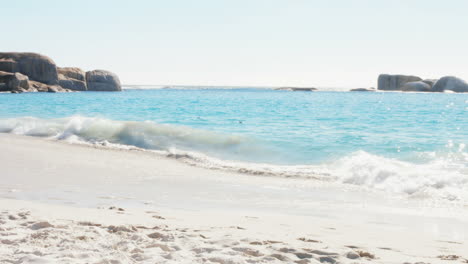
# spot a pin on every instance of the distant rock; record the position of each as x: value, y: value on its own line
x: 296, y: 89
x: 32, y: 72
x: 430, y: 82
x: 72, y: 78
x: 72, y: 73
x: 387, y: 82
x: 409, y: 83
x: 419, y: 86
x: 13, y: 82
x: 42, y: 87
x: 372, y: 89
x: 37, y: 67
x: 100, y: 80
x: 450, y: 83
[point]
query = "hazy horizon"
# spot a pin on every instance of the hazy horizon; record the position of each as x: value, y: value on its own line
x: 246, y: 43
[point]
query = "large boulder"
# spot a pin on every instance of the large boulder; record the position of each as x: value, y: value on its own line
x: 420, y: 86
x: 8, y: 65
x: 13, y: 81
x: 42, y: 87
x: 72, y: 78
x: 450, y: 83
x: 37, y: 67
x: 100, y: 80
x: 72, y: 73
x: 430, y: 82
x: 388, y: 82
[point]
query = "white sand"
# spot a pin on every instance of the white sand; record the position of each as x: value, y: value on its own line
x: 56, y: 199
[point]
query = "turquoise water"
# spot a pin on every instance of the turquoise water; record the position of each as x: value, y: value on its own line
x: 340, y: 134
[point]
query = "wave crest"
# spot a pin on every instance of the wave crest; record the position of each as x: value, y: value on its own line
x: 442, y: 177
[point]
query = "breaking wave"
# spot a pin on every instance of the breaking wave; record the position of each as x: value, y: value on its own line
x: 441, y: 176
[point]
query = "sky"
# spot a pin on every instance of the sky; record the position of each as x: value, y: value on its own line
x: 310, y: 43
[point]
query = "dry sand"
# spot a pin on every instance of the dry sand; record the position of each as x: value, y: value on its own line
x: 65, y: 203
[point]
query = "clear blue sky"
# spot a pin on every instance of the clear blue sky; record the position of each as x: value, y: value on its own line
x: 342, y: 43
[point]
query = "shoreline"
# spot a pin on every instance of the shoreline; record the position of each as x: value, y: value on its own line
x: 64, y: 184
x: 403, y: 175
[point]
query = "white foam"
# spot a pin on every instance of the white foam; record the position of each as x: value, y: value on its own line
x: 440, y: 176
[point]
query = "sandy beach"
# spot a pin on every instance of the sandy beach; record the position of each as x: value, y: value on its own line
x: 65, y: 203
x: 234, y: 132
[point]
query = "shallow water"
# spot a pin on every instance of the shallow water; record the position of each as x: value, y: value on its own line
x: 412, y: 143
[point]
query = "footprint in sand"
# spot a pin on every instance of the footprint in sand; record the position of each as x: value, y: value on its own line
x: 41, y: 225
x: 309, y: 240
x: 248, y: 251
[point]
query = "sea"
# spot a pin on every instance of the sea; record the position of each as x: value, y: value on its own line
x: 406, y: 144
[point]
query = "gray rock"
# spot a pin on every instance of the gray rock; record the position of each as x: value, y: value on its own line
x: 37, y: 67
x: 73, y: 85
x: 13, y: 81
x: 54, y: 89
x: 387, y: 82
x: 363, y: 90
x: 72, y: 78
x: 72, y: 73
x: 100, y: 80
x: 450, y: 83
x: 42, y: 87
x: 297, y: 89
x: 8, y: 65
x: 430, y: 82
x: 416, y: 87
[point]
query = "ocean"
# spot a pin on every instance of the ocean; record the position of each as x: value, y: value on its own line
x: 409, y: 144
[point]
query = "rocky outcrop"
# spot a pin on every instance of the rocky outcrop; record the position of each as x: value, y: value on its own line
x: 37, y: 67
x: 100, y: 80
x: 387, y: 82
x: 409, y: 83
x: 13, y: 82
x: 32, y: 72
x: 42, y: 87
x: 372, y: 89
x: 430, y: 82
x: 72, y: 78
x: 450, y: 83
x: 297, y: 89
x: 420, y: 86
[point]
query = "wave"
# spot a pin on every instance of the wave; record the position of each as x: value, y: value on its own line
x: 440, y: 176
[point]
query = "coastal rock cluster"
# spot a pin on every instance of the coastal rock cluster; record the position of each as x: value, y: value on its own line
x: 32, y: 72
x: 409, y: 83
x: 297, y: 89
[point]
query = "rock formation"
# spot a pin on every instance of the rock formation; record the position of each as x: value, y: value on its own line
x: 297, y: 89
x: 37, y: 67
x: 32, y: 72
x: 13, y: 81
x: 387, y: 82
x: 72, y: 78
x: 419, y: 86
x: 372, y: 89
x: 450, y: 83
x: 430, y: 82
x: 408, y: 83
x: 100, y: 80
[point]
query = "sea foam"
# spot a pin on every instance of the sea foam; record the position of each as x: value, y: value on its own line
x: 439, y: 176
